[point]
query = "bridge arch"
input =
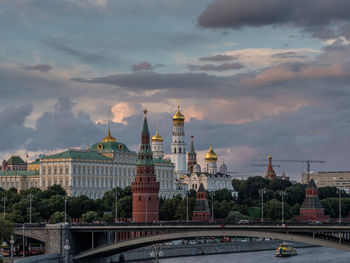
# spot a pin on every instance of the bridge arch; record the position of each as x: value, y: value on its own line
x: 123, y: 246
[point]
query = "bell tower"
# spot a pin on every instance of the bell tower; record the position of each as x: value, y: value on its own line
x: 178, y: 146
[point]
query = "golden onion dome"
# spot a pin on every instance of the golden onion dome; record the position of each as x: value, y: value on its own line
x: 211, y: 155
x: 109, y: 138
x: 157, y: 137
x: 178, y: 116
x: 182, y: 177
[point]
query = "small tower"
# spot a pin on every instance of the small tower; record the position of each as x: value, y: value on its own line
x: 192, y: 157
x: 178, y: 152
x: 201, y: 210
x: 210, y: 160
x: 223, y: 167
x: 270, y: 173
x: 157, y: 145
x: 312, y: 209
x: 145, y: 188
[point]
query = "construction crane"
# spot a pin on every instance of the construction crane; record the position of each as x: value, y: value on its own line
x: 265, y: 165
x: 303, y: 161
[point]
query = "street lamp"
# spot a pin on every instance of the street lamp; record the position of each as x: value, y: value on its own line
x: 212, y: 206
x: 30, y: 196
x: 116, y: 204
x: 282, y: 193
x: 4, y: 199
x: 65, y: 209
x: 23, y: 246
x: 187, y: 206
x: 262, y: 191
x: 339, y: 191
x: 66, y: 249
x: 12, y: 242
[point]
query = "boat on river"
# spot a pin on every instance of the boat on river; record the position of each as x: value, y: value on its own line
x: 285, y: 250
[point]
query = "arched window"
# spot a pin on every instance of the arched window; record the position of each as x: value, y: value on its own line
x: 174, y: 150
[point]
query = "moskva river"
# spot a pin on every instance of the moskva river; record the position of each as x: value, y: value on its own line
x: 305, y: 255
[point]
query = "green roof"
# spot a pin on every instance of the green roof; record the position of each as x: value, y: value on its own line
x: 107, y: 147
x: 16, y: 160
x: 14, y: 172
x: 158, y: 160
x: 77, y: 154
x: 37, y: 161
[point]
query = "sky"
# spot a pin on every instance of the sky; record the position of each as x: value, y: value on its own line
x: 252, y: 76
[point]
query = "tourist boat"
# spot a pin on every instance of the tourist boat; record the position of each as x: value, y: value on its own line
x: 285, y: 250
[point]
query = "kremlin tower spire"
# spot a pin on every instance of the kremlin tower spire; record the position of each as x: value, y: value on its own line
x: 178, y: 152
x: 145, y: 188
x: 270, y: 173
x: 192, y: 157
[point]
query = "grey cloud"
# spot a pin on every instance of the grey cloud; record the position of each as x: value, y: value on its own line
x: 310, y: 15
x: 142, y: 66
x: 94, y: 58
x: 41, y: 67
x: 148, y: 80
x: 221, y: 67
x: 218, y: 58
x: 288, y: 55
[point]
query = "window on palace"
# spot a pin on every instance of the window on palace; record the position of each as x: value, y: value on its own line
x: 88, y: 170
x: 93, y: 170
x: 66, y: 182
x: 67, y: 170
x: 83, y: 170
x: 61, y: 170
x: 74, y: 170
x: 43, y: 171
x: 49, y: 170
x: 55, y: 170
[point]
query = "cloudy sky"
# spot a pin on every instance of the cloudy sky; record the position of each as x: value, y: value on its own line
x: 253, y: 76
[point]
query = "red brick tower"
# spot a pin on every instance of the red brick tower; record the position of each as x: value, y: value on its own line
x: 192, y: 157
x: 201, y: 210
x: 270, y: 173
x: 312, y: 209
x: 145, y: 189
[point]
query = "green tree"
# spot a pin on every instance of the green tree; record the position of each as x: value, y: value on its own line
x: 54, y: 190
x: 125, y: 207
x: 90, y: 216
x: 295, y: 210
x: 109, y: 218
x: 249, y: 191
x: 273, y: 210
x: 327, y: 192
x: 58, y: 217
x: 278, y: 184
x: 235, y: 216
x: 168, y: 207
x: 6, y: 229
x: 295, y: 194
x: 181, y: 210
x: 76, y: 206
x: 222, y: 195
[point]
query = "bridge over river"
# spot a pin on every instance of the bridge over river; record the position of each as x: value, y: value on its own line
x: 95, y: 241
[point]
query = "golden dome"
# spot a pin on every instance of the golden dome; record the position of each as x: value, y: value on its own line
x: 211, y: 155
x: 109, y: 138
x: 182, y: 177
x: 178, y: 116
x: 157, y: 137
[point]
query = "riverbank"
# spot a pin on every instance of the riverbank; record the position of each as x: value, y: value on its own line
x: 168, y: 251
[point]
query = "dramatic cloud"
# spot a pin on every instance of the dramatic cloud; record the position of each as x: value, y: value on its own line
x: 218, y: 58
x: 221, y: 67
x: 41, y: 67
x: 311, y: 15
x: 288, y: 55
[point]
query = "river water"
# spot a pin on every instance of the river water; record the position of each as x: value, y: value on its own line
x: 305, y: 255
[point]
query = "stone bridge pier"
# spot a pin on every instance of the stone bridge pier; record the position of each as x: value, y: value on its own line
x: 53, y: 235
